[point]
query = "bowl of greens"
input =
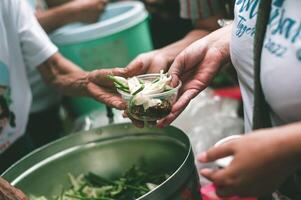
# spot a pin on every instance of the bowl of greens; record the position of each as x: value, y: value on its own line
x: 116, y: 162
x: 149, y: 97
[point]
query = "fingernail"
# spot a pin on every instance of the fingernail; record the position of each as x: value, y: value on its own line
x: 202, y: 157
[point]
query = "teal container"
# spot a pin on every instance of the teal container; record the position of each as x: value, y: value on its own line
x: 121, y: 34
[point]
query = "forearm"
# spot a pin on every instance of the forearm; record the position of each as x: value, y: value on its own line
x: 57, y: 17
x: 64, y: 76
x: 218, y: 38
x: 9, y: 192
x: 174, y: 49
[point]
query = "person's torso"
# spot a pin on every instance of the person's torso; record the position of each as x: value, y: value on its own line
x: 281, y: 58
x: 14, y: 87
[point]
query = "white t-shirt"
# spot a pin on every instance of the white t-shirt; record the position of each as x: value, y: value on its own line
x: 280, y: 63
x: 23, y: 44
x: 43, y: 96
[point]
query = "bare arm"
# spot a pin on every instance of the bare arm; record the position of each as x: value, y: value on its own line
x: 69, y: 79
x: 202, y: 28
x: 75, y: 11
x: 162, y: 58
x: 9, y: 192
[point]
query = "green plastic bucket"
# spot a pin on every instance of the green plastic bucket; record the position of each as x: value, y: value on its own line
x: 120, y: 35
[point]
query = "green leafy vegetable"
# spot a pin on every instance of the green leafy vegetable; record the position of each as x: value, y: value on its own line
x: 133, y: 184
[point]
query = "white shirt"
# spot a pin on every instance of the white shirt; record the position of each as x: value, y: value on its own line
x: 23, y: 44
x: 280, y: 63
x: 43, y: 96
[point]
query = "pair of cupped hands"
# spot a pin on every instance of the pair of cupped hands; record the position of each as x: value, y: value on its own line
x: 259, y: 165
x: 262, y: 160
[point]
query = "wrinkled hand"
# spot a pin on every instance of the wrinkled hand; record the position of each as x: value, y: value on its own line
x: 88, y: 11
x: 102, y: 89
x: 261, y: 163
x: 151, y: 62
x: 9, y: 192
x: 195, y: 67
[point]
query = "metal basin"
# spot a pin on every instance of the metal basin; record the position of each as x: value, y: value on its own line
x: 110, y: 151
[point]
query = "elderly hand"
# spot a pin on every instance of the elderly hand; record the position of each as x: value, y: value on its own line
x: 102, y: 89
x: 196, y: 66
x: 150, y: 62
x: 262, y: 161
x: 9, y: 192
x: 69, y: 79
x: 87, y: 11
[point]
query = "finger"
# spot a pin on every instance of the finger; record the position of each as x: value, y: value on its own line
x: 191, y: 57
x: 135, y: 68
x: 108, y: 97
x: 176, y: 70
x: 217, y: 176
x: 220, y: 177
x: 216, y: 153
x: 207, y: 173
x: 159, y: 63
x: 178, y: 107
x: 100, y: 77
x: 167, y: 120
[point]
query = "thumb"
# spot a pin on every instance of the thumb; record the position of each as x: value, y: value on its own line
x: 136, y: 67
x: 216, y: 153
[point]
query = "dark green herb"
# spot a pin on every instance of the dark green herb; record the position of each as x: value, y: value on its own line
x: 133, y: 184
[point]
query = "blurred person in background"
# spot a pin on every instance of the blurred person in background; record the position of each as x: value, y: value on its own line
x: 46, y: 103
x: 25, y: 46
x: 166, y: 25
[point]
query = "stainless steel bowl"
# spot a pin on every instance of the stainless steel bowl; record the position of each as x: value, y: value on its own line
x: 110, y: 151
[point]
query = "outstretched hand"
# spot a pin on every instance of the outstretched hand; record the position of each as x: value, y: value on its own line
x: 7, y: 191
x: 102, y: 89
x: 196, y: 66
x: 262, y: 160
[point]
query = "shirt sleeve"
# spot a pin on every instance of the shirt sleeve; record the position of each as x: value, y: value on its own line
x: 201, y: 9
x: 35, y: 44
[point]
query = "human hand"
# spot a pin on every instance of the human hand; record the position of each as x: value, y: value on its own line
x: 195, y: 67
x: 261, y: 162
x: 88, y: 11
x: 150, y: 62
x: 102, y: 89
x: 69, y: 79
x: 7, y: 191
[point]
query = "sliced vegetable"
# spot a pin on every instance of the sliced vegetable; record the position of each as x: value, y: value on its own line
x: 120, y: 81
x: 133, y: 184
